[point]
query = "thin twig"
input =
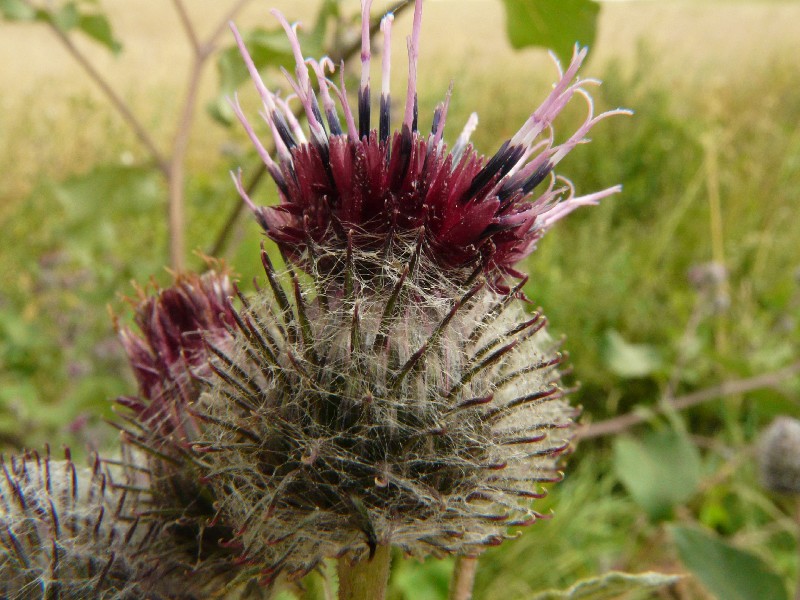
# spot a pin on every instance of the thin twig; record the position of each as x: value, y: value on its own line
x: 177, y: 168
x: 727, y: 388
x: 337, y: 55
x: 210, y: 43
x: 186, y: 23
x: 177, y: 175
x: 119, y: 104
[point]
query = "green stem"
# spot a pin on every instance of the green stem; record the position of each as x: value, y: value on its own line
x: 367, y: 579
x: 797, y: 521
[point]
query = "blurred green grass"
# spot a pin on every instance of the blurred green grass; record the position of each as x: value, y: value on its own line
x: 701, y: 131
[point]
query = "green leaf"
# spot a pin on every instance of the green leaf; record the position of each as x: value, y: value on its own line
x: 17, y: 10
x: 66, y: 17
x: 554, y: 24
x: 611, y: 585
x: 726, y: 571
x: 629, y: 360
x: 267, y: 49
x: 98, y: 27
x: 660, y: 471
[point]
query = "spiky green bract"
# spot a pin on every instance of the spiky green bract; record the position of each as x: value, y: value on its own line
x: 406, y: 409
x: 72, y: 533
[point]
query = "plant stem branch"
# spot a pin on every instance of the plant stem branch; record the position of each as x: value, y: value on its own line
x: 116, y: 101
x: 463, y: 578
x: 177, y: 171
x: 727, y: 388
x: 186, y: 23
x: 176, y: 176
x: 210, y: 43
x: 365, y: 580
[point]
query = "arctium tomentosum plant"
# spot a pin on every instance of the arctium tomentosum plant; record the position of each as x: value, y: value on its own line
x: 392, y: 388
x: 389, y: 384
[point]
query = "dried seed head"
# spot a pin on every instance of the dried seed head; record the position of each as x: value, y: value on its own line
x: 779, y: 456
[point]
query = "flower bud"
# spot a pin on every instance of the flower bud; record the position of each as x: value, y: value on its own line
x: 72, y: 532
x: 779, y: 456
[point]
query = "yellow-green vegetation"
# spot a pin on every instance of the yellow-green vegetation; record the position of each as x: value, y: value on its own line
x: 710, y: 164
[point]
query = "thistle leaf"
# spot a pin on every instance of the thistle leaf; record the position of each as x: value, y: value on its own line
x: 554, y: 24
x: 726, y: 571
x: 646, y: 468
x: 17, y: 10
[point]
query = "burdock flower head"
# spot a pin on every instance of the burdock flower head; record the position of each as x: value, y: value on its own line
x: 179, y: 326
x: 386, y: 196
x: 390, y: 387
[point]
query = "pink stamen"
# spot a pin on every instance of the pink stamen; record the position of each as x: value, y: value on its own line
x: 302, y: 85
x: 297, y: 131
x: 579, y: 137
x: 413, y: 57
x: 280, y: 146
x: 463, y: 139
x: 543, y: 156
x: 578, y: 56
x: 366, y: 5
x: 251, y: 67
x: 523, y: 160
x: 386, y: 29
x: 305, y: 99
x: 237, y: 181
x: 437, y: 137
x: 555, y: 101
x: 301, y: 70
x: 562, y: 209
x: 444, y: 106
x: 341, y: 92
x: 267, y: 97
x: 262, y: 152
x: 319, y: 70
x: 547, y: 198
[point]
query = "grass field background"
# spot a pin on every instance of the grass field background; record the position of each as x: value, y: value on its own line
x: 710, y: 163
